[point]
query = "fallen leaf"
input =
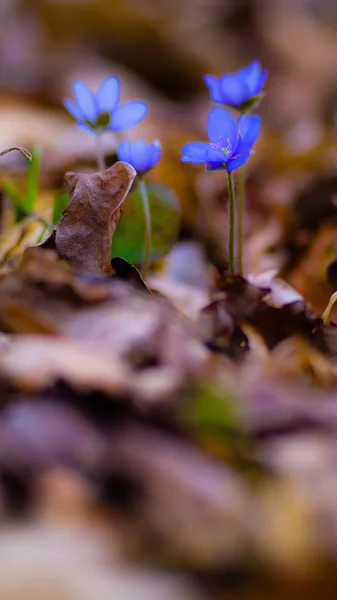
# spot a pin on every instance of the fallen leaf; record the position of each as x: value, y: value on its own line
x: 17, y: 317
x: 196, y: 507
x: 83, y: 235
x: 42, y: 267
x: 33, y: 363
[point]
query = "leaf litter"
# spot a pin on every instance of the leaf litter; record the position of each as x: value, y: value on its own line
x: 166, y: 414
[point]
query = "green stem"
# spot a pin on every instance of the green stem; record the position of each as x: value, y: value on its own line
x: 241, y: 189
x: 231, y: 245
x: 100, y: 154
x: 146, y: 206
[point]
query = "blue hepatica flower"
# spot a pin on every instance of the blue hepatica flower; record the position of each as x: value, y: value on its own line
x: 141, y: 155
x: 241, y: 89
x: 101, y: 112
x: 230, y: 142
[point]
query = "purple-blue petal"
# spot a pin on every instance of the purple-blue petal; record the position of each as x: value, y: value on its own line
x: 234, y: 89
x: 263, y: 77
x: 249, y: 130
x: 128, y: 115
x: 140, y: 154
x: 73, y: 109
x: 155, y: 152
x: 252, y: 77
x: 221, y: 128
x: 84, y: 127
x: 246, y: 71
x: 189, y: 159
x: 108, y: 94
x: 214, y: 88
x: 243, y: 125
x: 124, y: 151
x: 195, y: 151
x: 237, y: 161
x: 216, y: 156
x: 85, y: 100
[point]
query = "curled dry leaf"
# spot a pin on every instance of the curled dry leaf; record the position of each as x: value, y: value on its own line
x: 83, y: 235
x: 281, y: 292
x: 276, y: 312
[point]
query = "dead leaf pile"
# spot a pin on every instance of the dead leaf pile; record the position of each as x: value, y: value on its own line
x: 162, y: 420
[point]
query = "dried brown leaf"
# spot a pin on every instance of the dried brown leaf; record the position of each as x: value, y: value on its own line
x: 20, y: 318
x: 41, y: 266
x: 296, y: 357
x: 33, y: 363
x: 83, y: 235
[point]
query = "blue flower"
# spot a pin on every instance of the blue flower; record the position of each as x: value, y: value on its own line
x: 230, y: 142
x: 241, y: 89
x: 141, y: 155
x: 101, y: 112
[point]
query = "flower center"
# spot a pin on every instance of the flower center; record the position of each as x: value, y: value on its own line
x: 101, y: 123
x: 224, y: 146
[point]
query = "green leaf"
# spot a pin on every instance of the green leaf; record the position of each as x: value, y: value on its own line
x: 128, y: 240
x: 12, y: 193
x: 60, y: 204
x: 25, y: 203
x: 33, y: 176
x: 10, y: 189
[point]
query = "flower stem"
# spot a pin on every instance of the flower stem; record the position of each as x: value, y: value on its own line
x: 100, y: 154
x: 146, y: 206
x: 241, y: 189
x: 231, y: 245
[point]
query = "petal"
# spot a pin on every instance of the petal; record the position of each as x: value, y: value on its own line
x: 263, y: 77
x: 237, y: 162
x: 234, y: 90
x: 73, y: 109
x: 195, y: 152
x: 243, y: 125
x: 140, y: 156
x: 128, y: 115
x: 124, y: 151
x: 221, y: 128
x: 252, y: 77
x: 216, y: 156
x: 156, y: 152
x: 86, y: 128
x: 249, y: 68
x: 213, y: 84
x: 249, y: 130
x: 108, y: 94
x: 195, y: 161
x: 85, y: 100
